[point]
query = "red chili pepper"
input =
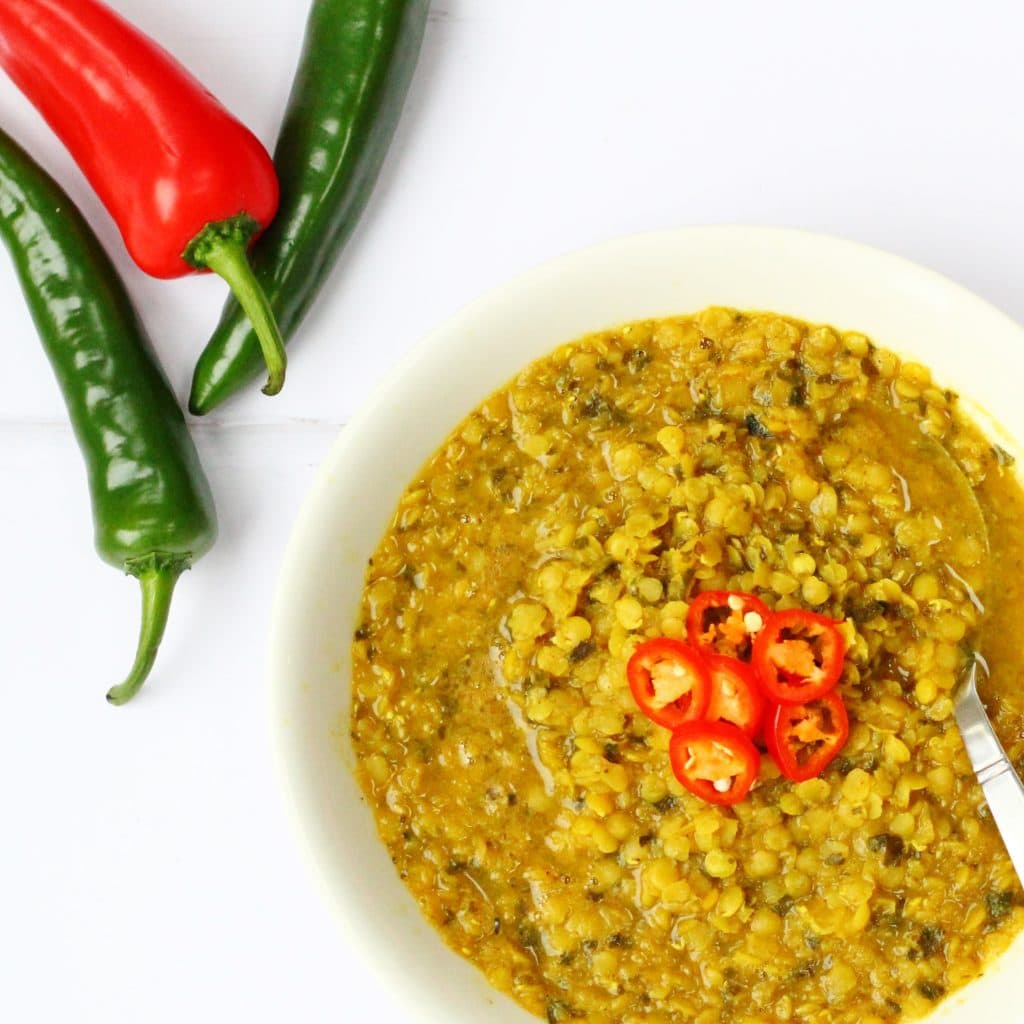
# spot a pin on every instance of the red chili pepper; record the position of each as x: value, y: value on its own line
x: 804, y: 738
x: 798, y: 656
x: 714, y: 760
x: 669, y: 681
x: 725, y: 622
x: 735, y: 696
x: 188, y: 185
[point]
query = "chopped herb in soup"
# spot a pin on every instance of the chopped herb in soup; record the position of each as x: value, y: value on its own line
x: 528, y: 802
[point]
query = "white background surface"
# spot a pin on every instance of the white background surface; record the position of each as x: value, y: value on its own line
x: 147, y: 870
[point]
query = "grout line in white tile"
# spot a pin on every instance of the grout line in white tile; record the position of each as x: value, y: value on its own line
x: 47, y: 424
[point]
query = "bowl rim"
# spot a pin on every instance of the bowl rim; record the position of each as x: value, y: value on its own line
x: 284, y: 693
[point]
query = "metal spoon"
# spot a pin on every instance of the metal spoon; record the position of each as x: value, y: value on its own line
x: 927, y: 471
x: 890, y: 432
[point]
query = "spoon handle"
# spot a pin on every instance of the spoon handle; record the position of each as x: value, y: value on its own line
x: 1003, y: 790
x: 1005, y: 796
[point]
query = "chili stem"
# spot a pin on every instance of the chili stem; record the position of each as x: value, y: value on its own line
x: 227, y: 258
x: 157, y: 589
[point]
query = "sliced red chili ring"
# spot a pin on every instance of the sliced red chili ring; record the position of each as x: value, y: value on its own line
x: 798, y: 656
x: 725, y: 622
x: 735, y: 695
x: 669, y: 681
x: 804, y: 738
x: 714, y: 760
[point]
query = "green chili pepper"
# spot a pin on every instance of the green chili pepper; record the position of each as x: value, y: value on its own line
x: 152, y: 506
x: 357, y: 61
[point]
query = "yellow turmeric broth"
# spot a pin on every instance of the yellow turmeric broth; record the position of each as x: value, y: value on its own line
x: 527, y: 803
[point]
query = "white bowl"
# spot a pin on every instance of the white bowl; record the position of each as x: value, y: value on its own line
x: 970, y: 346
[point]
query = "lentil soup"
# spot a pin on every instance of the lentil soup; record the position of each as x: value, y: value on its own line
x: 530, y: 807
